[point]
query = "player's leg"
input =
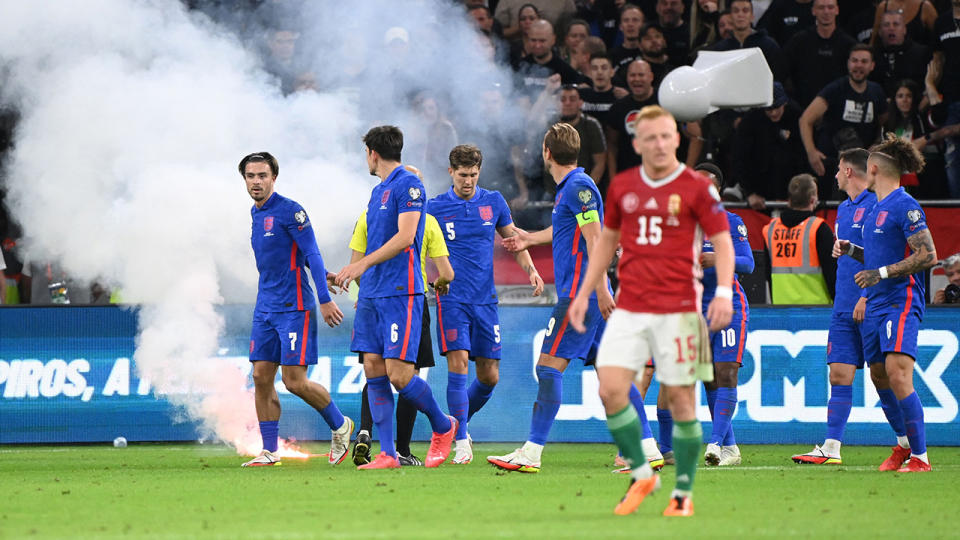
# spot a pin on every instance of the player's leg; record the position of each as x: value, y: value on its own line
x: 453, y: 332
x: 485, y: 348
x: 368, y: 340
x: 665, y: 425
x: 406, y: 410
x: 687, y: 437
x: 722, y: 397
x: 900, y: 452
x: 265, y: 357
x: 361, y: 445
x: 900, y: 370
x: 649, y: 442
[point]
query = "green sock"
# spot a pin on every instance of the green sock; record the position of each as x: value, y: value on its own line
x: 627, y: 433
x: 686, y: 450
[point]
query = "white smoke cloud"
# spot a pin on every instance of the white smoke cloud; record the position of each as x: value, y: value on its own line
x: 134, y: 115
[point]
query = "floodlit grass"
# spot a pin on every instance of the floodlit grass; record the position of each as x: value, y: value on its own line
x: 194, y: 491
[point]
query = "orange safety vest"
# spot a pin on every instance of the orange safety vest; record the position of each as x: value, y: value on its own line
x: 795, y: 274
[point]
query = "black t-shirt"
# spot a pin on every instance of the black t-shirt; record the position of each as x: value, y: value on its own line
x: 849, y: 110
x: 784, y: 18
x: 813, y: 62
x: 678, y: 43
x: 532, y: 77
x: 620, y: 120
x: 597, y: 104
x: 620, y: 56
x: 906, y: 61
x: 946, y: 33
x: 860, y: 25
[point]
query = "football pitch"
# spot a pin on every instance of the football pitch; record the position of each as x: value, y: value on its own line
x: 200, y: 491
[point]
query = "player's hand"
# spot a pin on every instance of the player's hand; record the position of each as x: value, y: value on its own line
x: 606, y: 303
x: 708, y: 260
x: 518, y: 242
x: 537, y: 283
x: 349, y: 273
x: 867, y: 278
x: 576, y: 312
x: 332, y: 284
x: 756, y: 202
x: 331, y: 314
x: 860, y: 310
x: 719, y: 313
x: 441, y: 286
x: 840, y: 247
x: 816, y: 162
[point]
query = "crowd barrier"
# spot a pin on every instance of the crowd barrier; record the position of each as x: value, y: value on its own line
x: 67, y: 375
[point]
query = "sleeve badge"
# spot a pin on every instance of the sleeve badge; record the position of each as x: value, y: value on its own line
x: 414, y: 193
x: 301, y: 217
x: 913, y: 216
x: 742, y: 229
x: 585, y: 196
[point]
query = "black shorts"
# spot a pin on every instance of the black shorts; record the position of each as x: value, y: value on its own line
x: 425, y: 353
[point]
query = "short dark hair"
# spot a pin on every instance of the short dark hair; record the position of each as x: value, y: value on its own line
x: 259, y: 157
x: 861, y: 47
x: 387, y: 141
x: 856, y: 158
x: 801, y: 188
x: 576, y: 22
x: 465, y: 155
x: 603, y: 56
x: 732, y: 2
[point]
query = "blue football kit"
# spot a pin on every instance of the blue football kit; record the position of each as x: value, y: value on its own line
x: 727, y: 344
x: 390, y: 304
x: 284, y: 321
x: 467, y: 317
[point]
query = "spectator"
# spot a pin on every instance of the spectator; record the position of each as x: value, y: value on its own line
x: 704, y: 15
x: 581, y: 56
x: 898, y: 56
x: 817, y: 55
x: 724, y: 27
x: 620, y: 153
x: 597, y: 100
x: 767, y: 150
x: 534, y: 70
x: 577, y: 32
x: 511, y: 13
x: 496, y: 132
x: 784, y: 18
x: 520, y: 42
x: 744, y: 37
x: 851, y: 108
x: 676, y: 31
x: 281, y: 57
x: 799, y: 246
x: 857, y: 20
x: 485, y: 21
x: 631, y: 21
x: 593, y: 145
x: 951, y: 293
x: 919, y: 17
x: 430, y: 143
x: 906, y: 121
x: 943, y: 86
x: 653, y: 49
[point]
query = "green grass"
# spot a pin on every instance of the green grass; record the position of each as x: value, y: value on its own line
x: 192, y: 491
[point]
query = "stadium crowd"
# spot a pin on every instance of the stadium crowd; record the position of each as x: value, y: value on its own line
x: 846, y: 73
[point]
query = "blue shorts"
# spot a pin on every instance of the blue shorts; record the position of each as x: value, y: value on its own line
x: 474, y: 328
x: 845, y: 342
x: 893, y: 331
x: 565, y: 342
x: 388, y: 326
x: 279, y: 337
x: 727, y: 344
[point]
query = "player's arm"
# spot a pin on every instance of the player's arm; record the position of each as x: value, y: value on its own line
x: 811, y: 116
x: 524, y: 259
x: 591, y: 233
x: 604, y: 248
x: 407, y: 223
x: 923, y: 256
x: 720, y: 310
x: 445, y: 274
x: 523, y: 239
x: 845, y: 247
x: 307, y: 243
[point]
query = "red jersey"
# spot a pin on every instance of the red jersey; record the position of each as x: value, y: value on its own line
x: 661, y: 224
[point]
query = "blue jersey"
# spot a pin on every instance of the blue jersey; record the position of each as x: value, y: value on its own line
x: 469, y: 228
x: 851, y: 215
x: 743, y: 264
x: 894, y: 219
x: 282, y: 238
x: 577, y: 203
x: 401, y: 192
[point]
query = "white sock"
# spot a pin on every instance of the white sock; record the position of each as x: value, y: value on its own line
x: 681, y: 493
x: 532, y: 450
x: 735, y: 449
x: 831, y: 447
x: 641, y: 472
x: 922, y: 457
x: 903, y: 441
x: 650, y: 449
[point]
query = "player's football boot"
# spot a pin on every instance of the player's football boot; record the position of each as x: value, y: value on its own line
x: 668, y: 458
x: 916, y: 465
x: 712, y: 455
x: 729, y: 455
x: 818, y: 456
x: 340, y: 442
x: 680, y: 507
x: 361, y: 449
x: 463, y: 451
x: 619, y: 461
x: 440, y: 445
x: 409, y: 461
x: 265, y: 459
x: 896, y: 460
x: 656, y: 463
x: 515, y: 461
x: 635, y: 494
x: 382, y: 461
